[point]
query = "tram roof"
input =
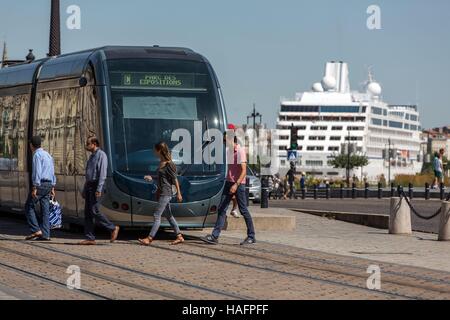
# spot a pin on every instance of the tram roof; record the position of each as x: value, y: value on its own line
x: 73, y: 65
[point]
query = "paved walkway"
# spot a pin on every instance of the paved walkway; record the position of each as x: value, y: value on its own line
x: 336, y: 237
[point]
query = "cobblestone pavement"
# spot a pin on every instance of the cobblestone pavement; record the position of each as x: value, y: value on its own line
x: 194, y: 270
x: 367, y: 206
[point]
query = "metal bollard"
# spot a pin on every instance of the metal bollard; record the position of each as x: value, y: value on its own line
x: 400, y: 217
x: 410, y: 190
x: 327, y: 192
x: 392, y: 190
x: 427, y: 191
x: 366, y: 191
x: 399, y: 190
x: 247, y: 191
x: 444, y: 227
x: 303, y: 193
x: 353, y: 191
x: 442, y: 190
x: 315, y: 192
x: 380, y: 190
x: 342, y: 191
x: 265, y: 193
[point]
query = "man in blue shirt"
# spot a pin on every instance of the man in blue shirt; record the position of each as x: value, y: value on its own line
x: 96, y: 170
x: 43, y: 188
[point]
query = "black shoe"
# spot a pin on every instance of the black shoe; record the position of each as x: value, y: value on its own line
x: 248, y: 241
x: 210, y: 239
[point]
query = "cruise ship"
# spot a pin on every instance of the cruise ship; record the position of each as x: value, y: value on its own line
x: 330, y: 118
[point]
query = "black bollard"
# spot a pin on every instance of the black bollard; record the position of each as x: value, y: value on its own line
x: 303, y: 193
x: 392, y: 190
x: 410, y: 190
x: 342, y: 191
x: 380, y: 190
x: 427, y: 191
x: 442, y: 189
x: 399, y: 190
x: 247, y: 191
x: 315, y: 191
x: 366, y: 191
x: 327, y: 192
x: 265, y: 193
x: 353, y: 190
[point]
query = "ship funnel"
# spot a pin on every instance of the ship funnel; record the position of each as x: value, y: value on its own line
x: 339, y: 71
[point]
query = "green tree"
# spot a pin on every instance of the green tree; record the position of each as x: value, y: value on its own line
x: 341, y: 161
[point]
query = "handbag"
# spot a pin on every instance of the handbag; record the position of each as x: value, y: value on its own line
x: 55, y: 215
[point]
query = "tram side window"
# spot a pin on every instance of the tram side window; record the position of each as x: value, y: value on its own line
x: 72, y: 101
x: 88, y: 125
x: 14, y: 132
x: 7, y: 109
x: 42, y: 121
x: 57, y: 129
x: 24, y: 102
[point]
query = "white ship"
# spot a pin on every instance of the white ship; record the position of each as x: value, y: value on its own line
x: 331, y: 117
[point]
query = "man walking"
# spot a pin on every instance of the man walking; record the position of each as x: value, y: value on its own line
x: 438, y: 167
x: 290, y: 175
x: 96, y: 169
x: 43, y: 188
x: 234, y: 186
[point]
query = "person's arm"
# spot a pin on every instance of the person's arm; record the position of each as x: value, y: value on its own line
x: 172, y: 171
x: 36, y: 175
x: 241, y: 178
x: 103, y: 169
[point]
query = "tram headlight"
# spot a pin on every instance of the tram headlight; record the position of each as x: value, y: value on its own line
x: 125, y: 207
x: 213, y: 209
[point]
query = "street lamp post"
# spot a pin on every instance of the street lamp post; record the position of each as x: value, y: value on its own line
x: 389, y: 159
x: 348, y: 160
x: 254, y: 115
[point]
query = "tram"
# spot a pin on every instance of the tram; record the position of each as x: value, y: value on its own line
x: 130, y: 98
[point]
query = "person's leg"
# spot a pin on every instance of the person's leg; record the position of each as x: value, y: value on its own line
x: 100, y: 218
x: 172, y: 221
x: 240, y: 196
x: 162, y: 205
x: 44, y: 200
x: 89, y: 223
x: 30, y: 212
x: 223, y: 207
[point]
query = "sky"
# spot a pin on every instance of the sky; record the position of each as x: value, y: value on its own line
x: 264, y: 50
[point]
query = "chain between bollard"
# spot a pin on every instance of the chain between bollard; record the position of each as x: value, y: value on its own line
x: 404, y: 196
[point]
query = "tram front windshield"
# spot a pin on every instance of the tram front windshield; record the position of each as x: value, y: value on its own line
x: 150, y: 100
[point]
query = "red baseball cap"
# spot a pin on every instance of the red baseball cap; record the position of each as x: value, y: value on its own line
x: 231, y: 127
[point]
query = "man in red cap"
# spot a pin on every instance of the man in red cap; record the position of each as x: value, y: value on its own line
x: 234, y: 187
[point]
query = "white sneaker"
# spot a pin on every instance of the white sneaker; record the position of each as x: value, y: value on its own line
x: 235, y: 214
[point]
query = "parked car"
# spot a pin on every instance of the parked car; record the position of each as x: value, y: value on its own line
x: 255, y: 186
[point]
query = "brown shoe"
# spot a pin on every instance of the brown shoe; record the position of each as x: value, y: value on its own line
x: 179, y: 240
x: 87, y: 243
x: 34, y: 236
x: 115, y: 234
x: 146, y: 242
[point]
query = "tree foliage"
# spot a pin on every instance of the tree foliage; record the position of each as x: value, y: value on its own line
x: 340, y: 161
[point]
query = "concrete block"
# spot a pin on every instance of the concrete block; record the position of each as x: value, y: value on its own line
x: 400, y: 217
x: 444, y: 226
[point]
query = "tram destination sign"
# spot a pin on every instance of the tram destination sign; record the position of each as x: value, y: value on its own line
x: 158, y: 80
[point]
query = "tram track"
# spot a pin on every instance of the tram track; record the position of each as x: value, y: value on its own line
x: 132, y: 271
x: 94, y: 275
x: 299, y: 274
x: 343, y: 264
x: 48, y: 280
x: 444, y: 284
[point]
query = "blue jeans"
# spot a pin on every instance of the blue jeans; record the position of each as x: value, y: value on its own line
x: 92, y: 213
x: 163, y: 204
x: 41, y: 222
x: 223, y: 207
